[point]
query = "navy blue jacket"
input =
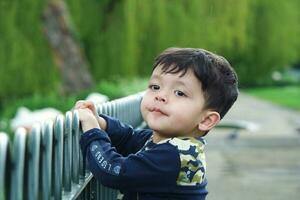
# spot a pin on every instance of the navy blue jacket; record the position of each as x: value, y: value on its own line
x: 128, y: 160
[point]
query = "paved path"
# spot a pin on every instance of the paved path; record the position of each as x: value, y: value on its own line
x: 263, y: 164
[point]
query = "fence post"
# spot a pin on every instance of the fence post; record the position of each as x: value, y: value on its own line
x: 67, y: 168
x: 18, y: 160
x: 75, y: 147
x: 58, y: 156
x: 4, y: 154
x: 46, y: 158
x: 33, y: 147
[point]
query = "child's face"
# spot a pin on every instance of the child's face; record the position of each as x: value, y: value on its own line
x: 173, y: 105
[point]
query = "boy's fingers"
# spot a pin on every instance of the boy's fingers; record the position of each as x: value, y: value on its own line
x: 89, y: 104
x: 79, y: 104
x: 83, y: 104
x: 84, y: 112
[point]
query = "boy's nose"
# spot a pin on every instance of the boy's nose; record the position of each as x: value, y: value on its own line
x: 160, y: 98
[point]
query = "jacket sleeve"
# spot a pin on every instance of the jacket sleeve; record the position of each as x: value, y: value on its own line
x: 126, y: 139
x: 141, y: 172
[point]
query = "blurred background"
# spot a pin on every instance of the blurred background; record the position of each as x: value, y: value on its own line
x: 54, y: 52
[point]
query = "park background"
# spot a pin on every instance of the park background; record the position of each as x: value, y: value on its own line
x: 54, y: 52
x: 116, y: 41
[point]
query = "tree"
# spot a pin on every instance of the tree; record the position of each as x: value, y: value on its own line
x: 66, y: 49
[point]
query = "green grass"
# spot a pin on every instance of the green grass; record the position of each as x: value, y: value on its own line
x: 288, y: 96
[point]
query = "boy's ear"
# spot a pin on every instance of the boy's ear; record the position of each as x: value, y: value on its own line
x: 209, y: 120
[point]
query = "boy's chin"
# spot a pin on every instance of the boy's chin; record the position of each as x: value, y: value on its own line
x: 164, y: 133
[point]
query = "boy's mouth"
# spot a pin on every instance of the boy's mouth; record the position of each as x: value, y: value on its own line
x: 157, y: 110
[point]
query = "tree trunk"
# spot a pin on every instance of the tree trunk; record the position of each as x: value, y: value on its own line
x: 66, y: 49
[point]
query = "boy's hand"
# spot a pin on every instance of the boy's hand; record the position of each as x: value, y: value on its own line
x: 87, y: 119
x: 82, y: 104
x: 86, y: 104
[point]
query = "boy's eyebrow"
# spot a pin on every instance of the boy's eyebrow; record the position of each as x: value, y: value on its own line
x: 178, y: 82
x: 182, y: 84
x: 158, y: 77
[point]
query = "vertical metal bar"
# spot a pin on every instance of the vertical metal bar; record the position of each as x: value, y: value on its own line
x: 82, y: 163
x: 99, y: 108
x: 110, y: 109
x: 33, y: 146
x: 75, y: 147
x: 117, y: 110
x: 58, y: 156
x: 67, y: 168
x: 105, y: 109
x: 125, y: 111
x: 18, y: 160
x: 93, y: 189
x: 120, y: 116
x: 107, y: 105
x: 128, y: 107
x: 97, y: 187
x: 87, y: 191
x: 46, y: 158
x: 113, y: 107
x: 4, y: 153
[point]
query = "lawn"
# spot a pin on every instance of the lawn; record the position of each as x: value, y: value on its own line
x: 288, y: 96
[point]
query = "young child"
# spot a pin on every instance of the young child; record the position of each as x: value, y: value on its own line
x: 189, y: 91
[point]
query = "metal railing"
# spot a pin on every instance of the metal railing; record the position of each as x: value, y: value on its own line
x: 46, y: 163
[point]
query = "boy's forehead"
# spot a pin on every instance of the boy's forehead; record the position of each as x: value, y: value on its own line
x: 159, y: 72
x: 189, y: 78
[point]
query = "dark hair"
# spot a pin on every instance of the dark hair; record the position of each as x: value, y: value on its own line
x: 218, y: 78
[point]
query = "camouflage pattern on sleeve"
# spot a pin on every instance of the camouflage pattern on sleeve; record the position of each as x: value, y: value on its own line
x: 192, y: 158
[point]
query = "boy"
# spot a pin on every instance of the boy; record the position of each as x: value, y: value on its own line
x: 189, y: 91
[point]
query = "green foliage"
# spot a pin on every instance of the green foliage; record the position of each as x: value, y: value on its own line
x: 121, y: 87
x: 273, y: 28
x: 121, y: 38
x: 25, y: 59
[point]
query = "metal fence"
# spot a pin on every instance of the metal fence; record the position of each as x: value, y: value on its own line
x: 46, y: 163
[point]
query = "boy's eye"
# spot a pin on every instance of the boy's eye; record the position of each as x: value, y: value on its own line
x: 179, y: 93
x: 154, y: 87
